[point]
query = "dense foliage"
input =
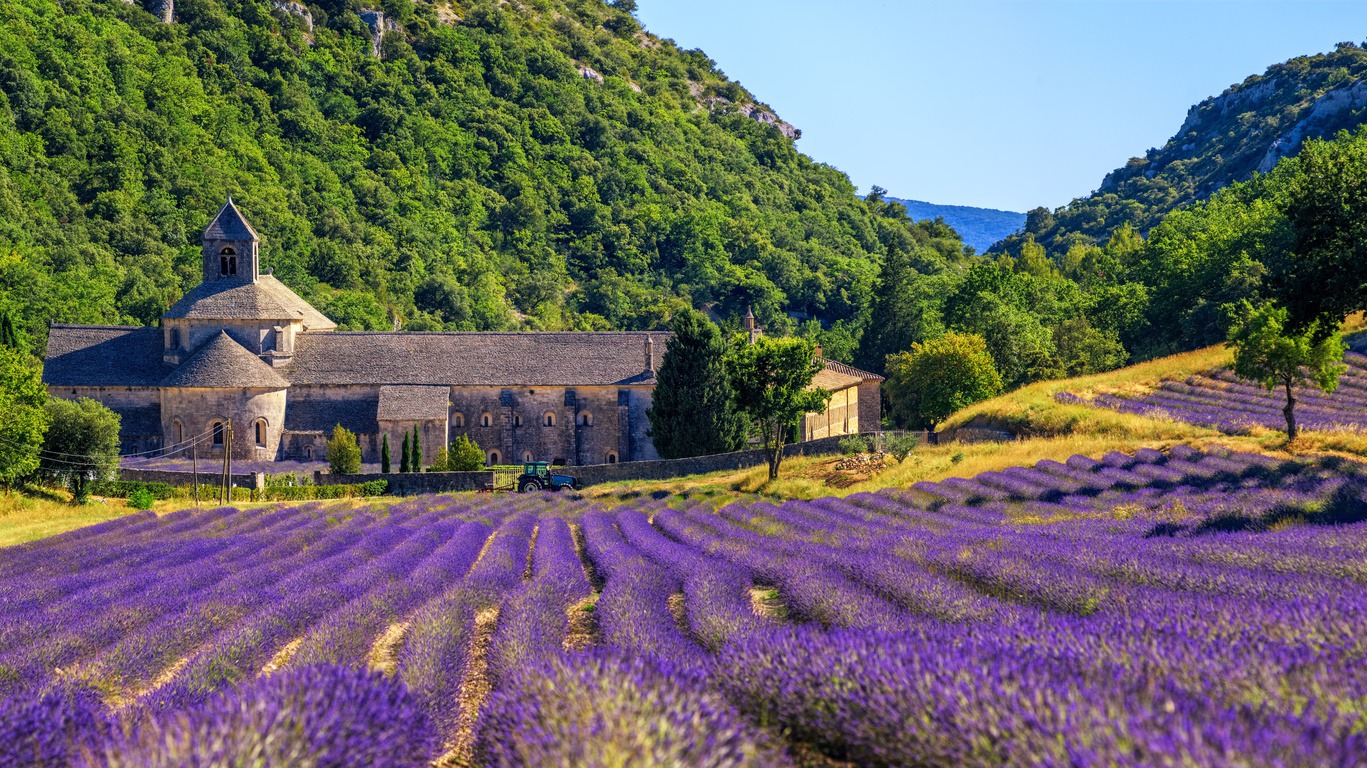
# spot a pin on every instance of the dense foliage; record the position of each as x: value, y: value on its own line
x: 1267, y: 351
x: 1225, y: 139
x: 936, y: 378
x: 344, y: 453
x: 543, y: 164
x: 693, y: 407
x: 772, y: 379
x: 25, y: 420
x: 1160, y: 608
x: 81, y: 446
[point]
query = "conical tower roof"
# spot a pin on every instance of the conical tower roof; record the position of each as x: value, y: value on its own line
x: 230, y: 224
x: 224, y: 364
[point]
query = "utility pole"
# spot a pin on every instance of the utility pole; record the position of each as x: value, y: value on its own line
x: 228, y: 459
x: 194, y: 466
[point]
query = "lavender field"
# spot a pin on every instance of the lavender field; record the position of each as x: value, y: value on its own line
x: 1232, y: 405
x: 1170, y: 608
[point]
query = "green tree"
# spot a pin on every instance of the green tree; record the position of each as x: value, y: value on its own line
x: 81, y: 446
x: 415, y: 463
x: 384, y: 454
x: 1083, y: 349
x: 936, y: 378
x: 344, y: 454
x: 9, y: 334
x: 465, y: 455
x: 693, y: 409
x: 1268, y: 352
x: 772, y: 379
x: 1324, y: 276
x: 25, y: 419
x: 406, y: 459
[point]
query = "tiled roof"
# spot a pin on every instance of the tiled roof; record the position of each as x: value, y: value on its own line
x: 413, y: 403
x: 230, y: 224
x: 850, y: 370
x: 103, y: 356
x: 831, y: 380
x: 306, y: 414
x: 475, y: 359
x: 265, y: 299
x: 224, y: 364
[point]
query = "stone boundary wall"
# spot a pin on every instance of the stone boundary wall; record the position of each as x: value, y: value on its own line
x: 415, y: 483
x: 254, y: 480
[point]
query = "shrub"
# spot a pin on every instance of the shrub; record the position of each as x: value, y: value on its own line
x: 465, y: 455
x: 344, y: 454
x: 902, y: 445
x: 141, y: 498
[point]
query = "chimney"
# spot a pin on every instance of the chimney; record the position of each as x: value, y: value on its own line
x: 650, y: 355
x: 818, y: 352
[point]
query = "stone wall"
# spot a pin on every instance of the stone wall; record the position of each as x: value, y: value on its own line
x: 207, y: 476
x: 664, y: 469
x: 193, y: 411
x: 415, y: 483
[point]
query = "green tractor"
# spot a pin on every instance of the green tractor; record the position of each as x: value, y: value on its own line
x: 537, y: 476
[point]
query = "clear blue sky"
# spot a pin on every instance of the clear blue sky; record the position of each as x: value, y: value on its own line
x: 1006, y: 104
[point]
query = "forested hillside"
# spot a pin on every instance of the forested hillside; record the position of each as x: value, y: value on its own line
x: 540, y: 164
x: 1225, y: 139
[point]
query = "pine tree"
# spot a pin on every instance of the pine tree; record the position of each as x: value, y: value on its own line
x: 404, y: 465
x: 693, y: 410
x: 416, y: 462
x: 384, y: 455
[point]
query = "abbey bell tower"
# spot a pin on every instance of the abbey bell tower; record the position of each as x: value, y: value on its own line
x: 231, y: 248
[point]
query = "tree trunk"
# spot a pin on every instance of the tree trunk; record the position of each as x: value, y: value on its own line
x: 1290, y: 412
x: 775, y: 450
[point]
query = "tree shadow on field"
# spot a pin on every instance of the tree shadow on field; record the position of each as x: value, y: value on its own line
x: 1347, y: 504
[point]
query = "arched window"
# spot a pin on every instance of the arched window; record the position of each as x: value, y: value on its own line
x: 526, y: 457
x: 585, y: 419
x: 458, y: 420
x: 611, y: 457
x: 549, y: 419
x: 222, y: 265
x: 494, y: 458
x: 517, y: 419
x: 228, y: 251
x: 218, y: 434
x: 308, y: 452
x: 260, y: 433
x: 178, y: 431
x: 232, y: 265
x: 485, y: 420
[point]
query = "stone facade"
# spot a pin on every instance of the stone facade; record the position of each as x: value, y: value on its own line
x: 242, y: 349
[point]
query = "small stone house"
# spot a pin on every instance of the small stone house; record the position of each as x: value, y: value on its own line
x: 242, y: 350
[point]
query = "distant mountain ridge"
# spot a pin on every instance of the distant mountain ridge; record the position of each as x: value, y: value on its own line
x: 979, y: 227
x: 1225, y: 139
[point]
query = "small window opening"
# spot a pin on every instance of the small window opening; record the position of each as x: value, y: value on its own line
x: 458, y: 419
x: 586, y: 419
x: 494, y: 458
x: 485, y: 420
x: 218, y: 434
x: 517, y: 420
x: 260, y: 433
x: 612, y: 457
x: 526, y: 457
x: 550, y: 419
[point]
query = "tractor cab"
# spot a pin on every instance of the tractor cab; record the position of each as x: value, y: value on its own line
x: 537, y: 476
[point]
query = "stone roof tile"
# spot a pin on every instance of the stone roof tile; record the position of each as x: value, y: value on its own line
x: 307, y: 414
x: 265, y: 299
x: 103, y: 356
x: 224, y: 364
x: 475, y: 359
x: 850, y: 370
x: 230, y: 224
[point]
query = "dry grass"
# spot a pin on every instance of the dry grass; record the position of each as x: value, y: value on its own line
x: 26, y: 518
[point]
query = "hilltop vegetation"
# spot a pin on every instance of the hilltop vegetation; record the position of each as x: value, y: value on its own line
x: 1225, y: 139
x: 539, y: 165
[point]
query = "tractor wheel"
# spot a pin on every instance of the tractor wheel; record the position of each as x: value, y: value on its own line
x: 527, y: 486
x: 558, y: 488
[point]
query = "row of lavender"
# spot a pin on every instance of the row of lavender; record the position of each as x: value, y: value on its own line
x: 1074, y: 613
x: 1232, y: 405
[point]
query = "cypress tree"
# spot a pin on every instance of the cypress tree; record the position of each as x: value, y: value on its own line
x: 404, y: 466
x: 416, y: 462
x: 693, y: 412
x: 9, y: 335
x: 384, y: 455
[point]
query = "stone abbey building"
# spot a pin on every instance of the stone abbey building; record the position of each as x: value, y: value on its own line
x: 243, y: 347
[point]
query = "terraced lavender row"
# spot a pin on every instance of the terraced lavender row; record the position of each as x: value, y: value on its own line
x: 1232, y: 405
x: 1175, y: 608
